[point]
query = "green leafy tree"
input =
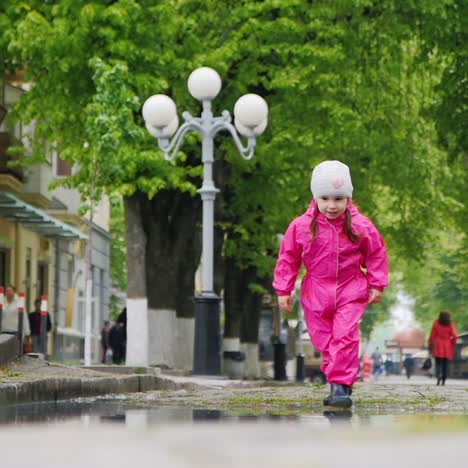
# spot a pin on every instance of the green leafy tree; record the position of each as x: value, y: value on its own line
x: 92, y: 65
x: 344, y: 80
x: 350, y: 80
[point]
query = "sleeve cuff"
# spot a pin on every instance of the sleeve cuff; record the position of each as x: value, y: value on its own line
x: 283, y: 293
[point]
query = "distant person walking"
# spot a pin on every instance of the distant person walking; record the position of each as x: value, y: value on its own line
x: 35, y: 325
x: 442, y: 344
x: 408, y: 364
x: 105, y: 340
x: 10, y: 318
x: 335, y: 243
x: 377, y: 364
x: 122, y: 320
x: 117, y: 343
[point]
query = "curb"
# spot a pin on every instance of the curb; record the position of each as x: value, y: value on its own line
x: 8, y: 348
x: 55, y: 389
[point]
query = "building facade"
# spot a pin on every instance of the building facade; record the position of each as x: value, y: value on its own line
x: 43, y: 239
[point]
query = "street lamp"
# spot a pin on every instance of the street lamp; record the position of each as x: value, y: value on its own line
x: 250, y: 120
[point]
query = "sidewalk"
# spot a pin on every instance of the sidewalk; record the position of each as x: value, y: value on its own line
x: 33, y: 380
x: 28, y: 380
x: 276, y: 440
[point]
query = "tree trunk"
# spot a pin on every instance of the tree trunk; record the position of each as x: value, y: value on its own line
x: 249, y: 325
x: 233, y: 303
x: 173, y: 254
x: 137, y: 303
x: 233, y: 298
x: 242, y: 312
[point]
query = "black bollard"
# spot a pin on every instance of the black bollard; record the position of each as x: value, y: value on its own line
x: 279, y: 361
x: 300, y: 374
x: 207, y: 345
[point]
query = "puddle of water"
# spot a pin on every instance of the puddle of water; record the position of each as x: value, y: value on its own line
x: 98, y: 413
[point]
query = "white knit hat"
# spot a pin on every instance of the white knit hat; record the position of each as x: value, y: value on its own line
x: 331, y: 179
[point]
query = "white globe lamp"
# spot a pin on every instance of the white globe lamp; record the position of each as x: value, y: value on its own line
x: 251, y: 110
x: 165, y: 132
x: 159, y: 111
x: 247, y: 131
x: 204, y: 83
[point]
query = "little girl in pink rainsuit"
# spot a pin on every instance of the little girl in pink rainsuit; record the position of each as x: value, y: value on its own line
x: 347, y: 269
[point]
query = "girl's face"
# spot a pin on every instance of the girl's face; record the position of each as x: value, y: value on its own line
x: 332, y: 207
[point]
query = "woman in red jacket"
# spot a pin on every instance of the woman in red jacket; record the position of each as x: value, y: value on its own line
x: 442, y: 344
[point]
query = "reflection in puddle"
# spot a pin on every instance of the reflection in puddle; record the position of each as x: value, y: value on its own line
x: 140, y: 417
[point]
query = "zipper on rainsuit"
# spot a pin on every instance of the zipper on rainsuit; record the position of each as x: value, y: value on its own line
x: 337, y: 260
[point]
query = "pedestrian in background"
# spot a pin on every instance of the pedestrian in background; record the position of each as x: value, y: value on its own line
x: 346, y: 269
x: 442, y: 344
x: 377, y: 364
x: 105, y: 340
x: 388, y: 365
x: 408, y: 364
x: 10, y: 319
x: 35, y: 326
x: 117, y: 343
x: 122, y: 319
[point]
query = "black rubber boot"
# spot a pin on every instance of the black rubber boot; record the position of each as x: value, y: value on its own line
x: 348, y: 389
x: 339, y: 397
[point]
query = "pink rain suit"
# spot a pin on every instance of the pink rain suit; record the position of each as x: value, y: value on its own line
x: 335, y: 290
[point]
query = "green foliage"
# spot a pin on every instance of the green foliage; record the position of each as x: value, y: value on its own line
x: 118, y: 244
x: 375, y: 84
x: 440, y: 284
x: 90, y: 77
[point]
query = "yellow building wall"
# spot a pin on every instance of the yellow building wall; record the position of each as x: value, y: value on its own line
x: 8, y: 242
x: 38, y: 249
x: 21, y: 243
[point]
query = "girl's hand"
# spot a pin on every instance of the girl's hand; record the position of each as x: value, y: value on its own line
x: 285, y: 303
x: 375, y: 296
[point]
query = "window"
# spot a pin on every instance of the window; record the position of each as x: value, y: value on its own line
x: 62, y: 168
x: 42, y: 279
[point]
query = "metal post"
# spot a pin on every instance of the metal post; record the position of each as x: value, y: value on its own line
x: 207, y: 340
x: 43, y: 332
x: 21, y: 303
x: 88, y: 322
x: 207, y: 346
x: 208, y: 195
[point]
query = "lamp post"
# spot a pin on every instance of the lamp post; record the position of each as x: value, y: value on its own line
x: 250, y: 120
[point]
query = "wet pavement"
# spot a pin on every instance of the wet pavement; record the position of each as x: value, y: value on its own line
x: 395, y: 422
x: 187, y: 438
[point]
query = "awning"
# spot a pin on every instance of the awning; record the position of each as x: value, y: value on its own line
x: 17, y: 211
